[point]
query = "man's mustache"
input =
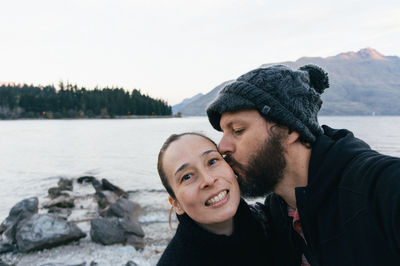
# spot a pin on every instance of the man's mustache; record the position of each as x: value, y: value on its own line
x: 229, y: 159
x: 232, y: 162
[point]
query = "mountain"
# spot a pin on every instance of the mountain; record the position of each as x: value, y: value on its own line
x: 177, y: 107
x: 198, y: 106
x: 361, y: 83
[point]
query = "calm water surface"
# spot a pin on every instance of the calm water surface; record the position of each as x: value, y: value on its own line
x: 35, y: 153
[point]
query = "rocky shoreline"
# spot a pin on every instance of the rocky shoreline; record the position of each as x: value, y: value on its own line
x: 82, y: 221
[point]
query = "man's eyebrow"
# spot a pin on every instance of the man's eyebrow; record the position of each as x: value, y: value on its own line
x: 234, y: 121
x: 229, y: 125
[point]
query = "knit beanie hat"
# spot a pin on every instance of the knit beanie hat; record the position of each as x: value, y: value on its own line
x: 285, y: 96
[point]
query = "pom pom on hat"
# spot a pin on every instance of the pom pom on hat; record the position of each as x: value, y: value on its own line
x: 318, y: 77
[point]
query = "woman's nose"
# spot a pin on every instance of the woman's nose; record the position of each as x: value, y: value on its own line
x: 208, y: 180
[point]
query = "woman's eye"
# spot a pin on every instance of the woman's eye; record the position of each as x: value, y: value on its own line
x: 186, y: 177
x: 212, y: 161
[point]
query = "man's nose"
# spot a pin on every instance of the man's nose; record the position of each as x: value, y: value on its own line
x: 225, y: 145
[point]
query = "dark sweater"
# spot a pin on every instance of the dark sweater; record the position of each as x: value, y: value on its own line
x: 350, y: 209
x: 193, y: 245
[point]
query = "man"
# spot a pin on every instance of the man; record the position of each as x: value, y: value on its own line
x: 335, y: 201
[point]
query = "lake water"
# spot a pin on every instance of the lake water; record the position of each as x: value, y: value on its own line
x: 34, y: 154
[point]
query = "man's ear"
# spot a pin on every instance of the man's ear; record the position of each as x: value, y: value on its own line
x: 293, y: 136
x: 175, y: 204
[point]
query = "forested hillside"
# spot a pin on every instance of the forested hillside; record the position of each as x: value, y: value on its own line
x: 69, y: 101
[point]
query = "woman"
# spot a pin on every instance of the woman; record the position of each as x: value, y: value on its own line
x: 215, y: 226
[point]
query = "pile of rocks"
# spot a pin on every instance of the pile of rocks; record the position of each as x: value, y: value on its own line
x: 30, y: 227
x: 26, y: 230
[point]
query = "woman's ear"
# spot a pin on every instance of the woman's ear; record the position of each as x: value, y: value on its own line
x: 175, y: 204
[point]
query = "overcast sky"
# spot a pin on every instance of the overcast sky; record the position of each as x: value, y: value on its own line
x: 175, y: 49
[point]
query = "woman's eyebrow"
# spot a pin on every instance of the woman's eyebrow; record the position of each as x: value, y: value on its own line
x: 183, y: 166
x: 208, y: 152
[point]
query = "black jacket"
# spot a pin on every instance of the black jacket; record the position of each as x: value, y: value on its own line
x: 350, y: 209
x: 193, y: 245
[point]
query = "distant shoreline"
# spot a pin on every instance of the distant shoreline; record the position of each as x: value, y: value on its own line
x: 323, y: 115
x: 98, y: 118
x: 164, y: 116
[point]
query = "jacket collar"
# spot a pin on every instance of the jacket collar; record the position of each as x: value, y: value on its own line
x: 330, y: 154
x: 191, y: 233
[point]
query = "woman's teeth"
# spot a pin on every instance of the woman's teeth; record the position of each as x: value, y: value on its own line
x: 217, y: 198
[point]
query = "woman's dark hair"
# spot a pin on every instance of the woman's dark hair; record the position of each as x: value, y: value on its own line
x: 164, y: 147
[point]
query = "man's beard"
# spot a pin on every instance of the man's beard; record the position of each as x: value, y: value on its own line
x: 264, y: 170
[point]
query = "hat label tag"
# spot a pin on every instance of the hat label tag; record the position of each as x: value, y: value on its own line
x: 265, y: 110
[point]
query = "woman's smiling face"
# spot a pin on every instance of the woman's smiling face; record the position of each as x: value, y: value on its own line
x: 204, y: 184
